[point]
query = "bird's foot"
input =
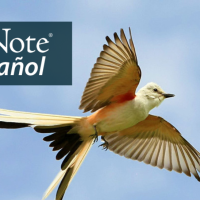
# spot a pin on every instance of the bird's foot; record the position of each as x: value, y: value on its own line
x: 104, y: 145
x: 95, y: 135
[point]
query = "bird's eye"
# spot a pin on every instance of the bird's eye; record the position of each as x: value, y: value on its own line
x: 155, y: 90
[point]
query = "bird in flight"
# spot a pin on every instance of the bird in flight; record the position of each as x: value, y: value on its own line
x: 119, y: 115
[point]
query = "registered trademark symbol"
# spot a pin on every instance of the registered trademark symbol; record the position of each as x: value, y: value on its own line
x: 50, y: 34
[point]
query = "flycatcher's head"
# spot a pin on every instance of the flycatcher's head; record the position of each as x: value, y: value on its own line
x: 154, y: 94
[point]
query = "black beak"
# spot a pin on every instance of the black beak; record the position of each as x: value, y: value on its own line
x: 168, y: 95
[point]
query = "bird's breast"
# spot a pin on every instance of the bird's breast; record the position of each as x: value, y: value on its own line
x: 118, y: 116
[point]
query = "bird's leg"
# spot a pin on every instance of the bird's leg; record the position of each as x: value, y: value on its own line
x: 105, y: 144
x: 95, y: 135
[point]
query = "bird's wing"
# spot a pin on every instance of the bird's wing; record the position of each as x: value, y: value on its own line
x: 156, y: 142
x: 115, y: 75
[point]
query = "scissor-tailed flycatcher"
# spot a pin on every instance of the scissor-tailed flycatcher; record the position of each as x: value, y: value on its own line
x: 121, y: 117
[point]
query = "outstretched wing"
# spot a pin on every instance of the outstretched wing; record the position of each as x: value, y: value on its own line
x: 156, y: 142
x: 115, y: 75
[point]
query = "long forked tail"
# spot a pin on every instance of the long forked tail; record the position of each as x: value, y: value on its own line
x: 64, y: 137
x: 67, y: 175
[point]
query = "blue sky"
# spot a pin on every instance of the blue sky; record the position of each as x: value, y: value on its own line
x: 167, y: 40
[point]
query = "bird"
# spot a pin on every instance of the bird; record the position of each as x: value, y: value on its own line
x: 119, y: 115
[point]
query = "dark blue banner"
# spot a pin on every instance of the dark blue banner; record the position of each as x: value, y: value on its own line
x: 35, y: 53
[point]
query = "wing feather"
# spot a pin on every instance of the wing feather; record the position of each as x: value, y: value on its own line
x: 156, y: 142
x: 143, y: 150
x: 149, y: 154
x: 113, y: 52
x: 108, y: 56
x: 105, y: 61
x: 175, y: 159
x: 120, y: 44
x: 125, y: 42
x: 160, y: 161
x: 167, y: 158
x: 132, y: 46
x: 154, y: 158
x: 117, y: 49
x: 183, y: 161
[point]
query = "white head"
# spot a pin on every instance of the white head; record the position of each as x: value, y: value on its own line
x: 154, y: 94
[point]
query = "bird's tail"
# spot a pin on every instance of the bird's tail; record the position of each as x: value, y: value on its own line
x: 65, y: 176
x: 64, y: 137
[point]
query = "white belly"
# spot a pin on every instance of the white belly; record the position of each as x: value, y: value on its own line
x: 123, y: 117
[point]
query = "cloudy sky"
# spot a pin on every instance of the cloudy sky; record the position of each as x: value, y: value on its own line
x: 167, y: 40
